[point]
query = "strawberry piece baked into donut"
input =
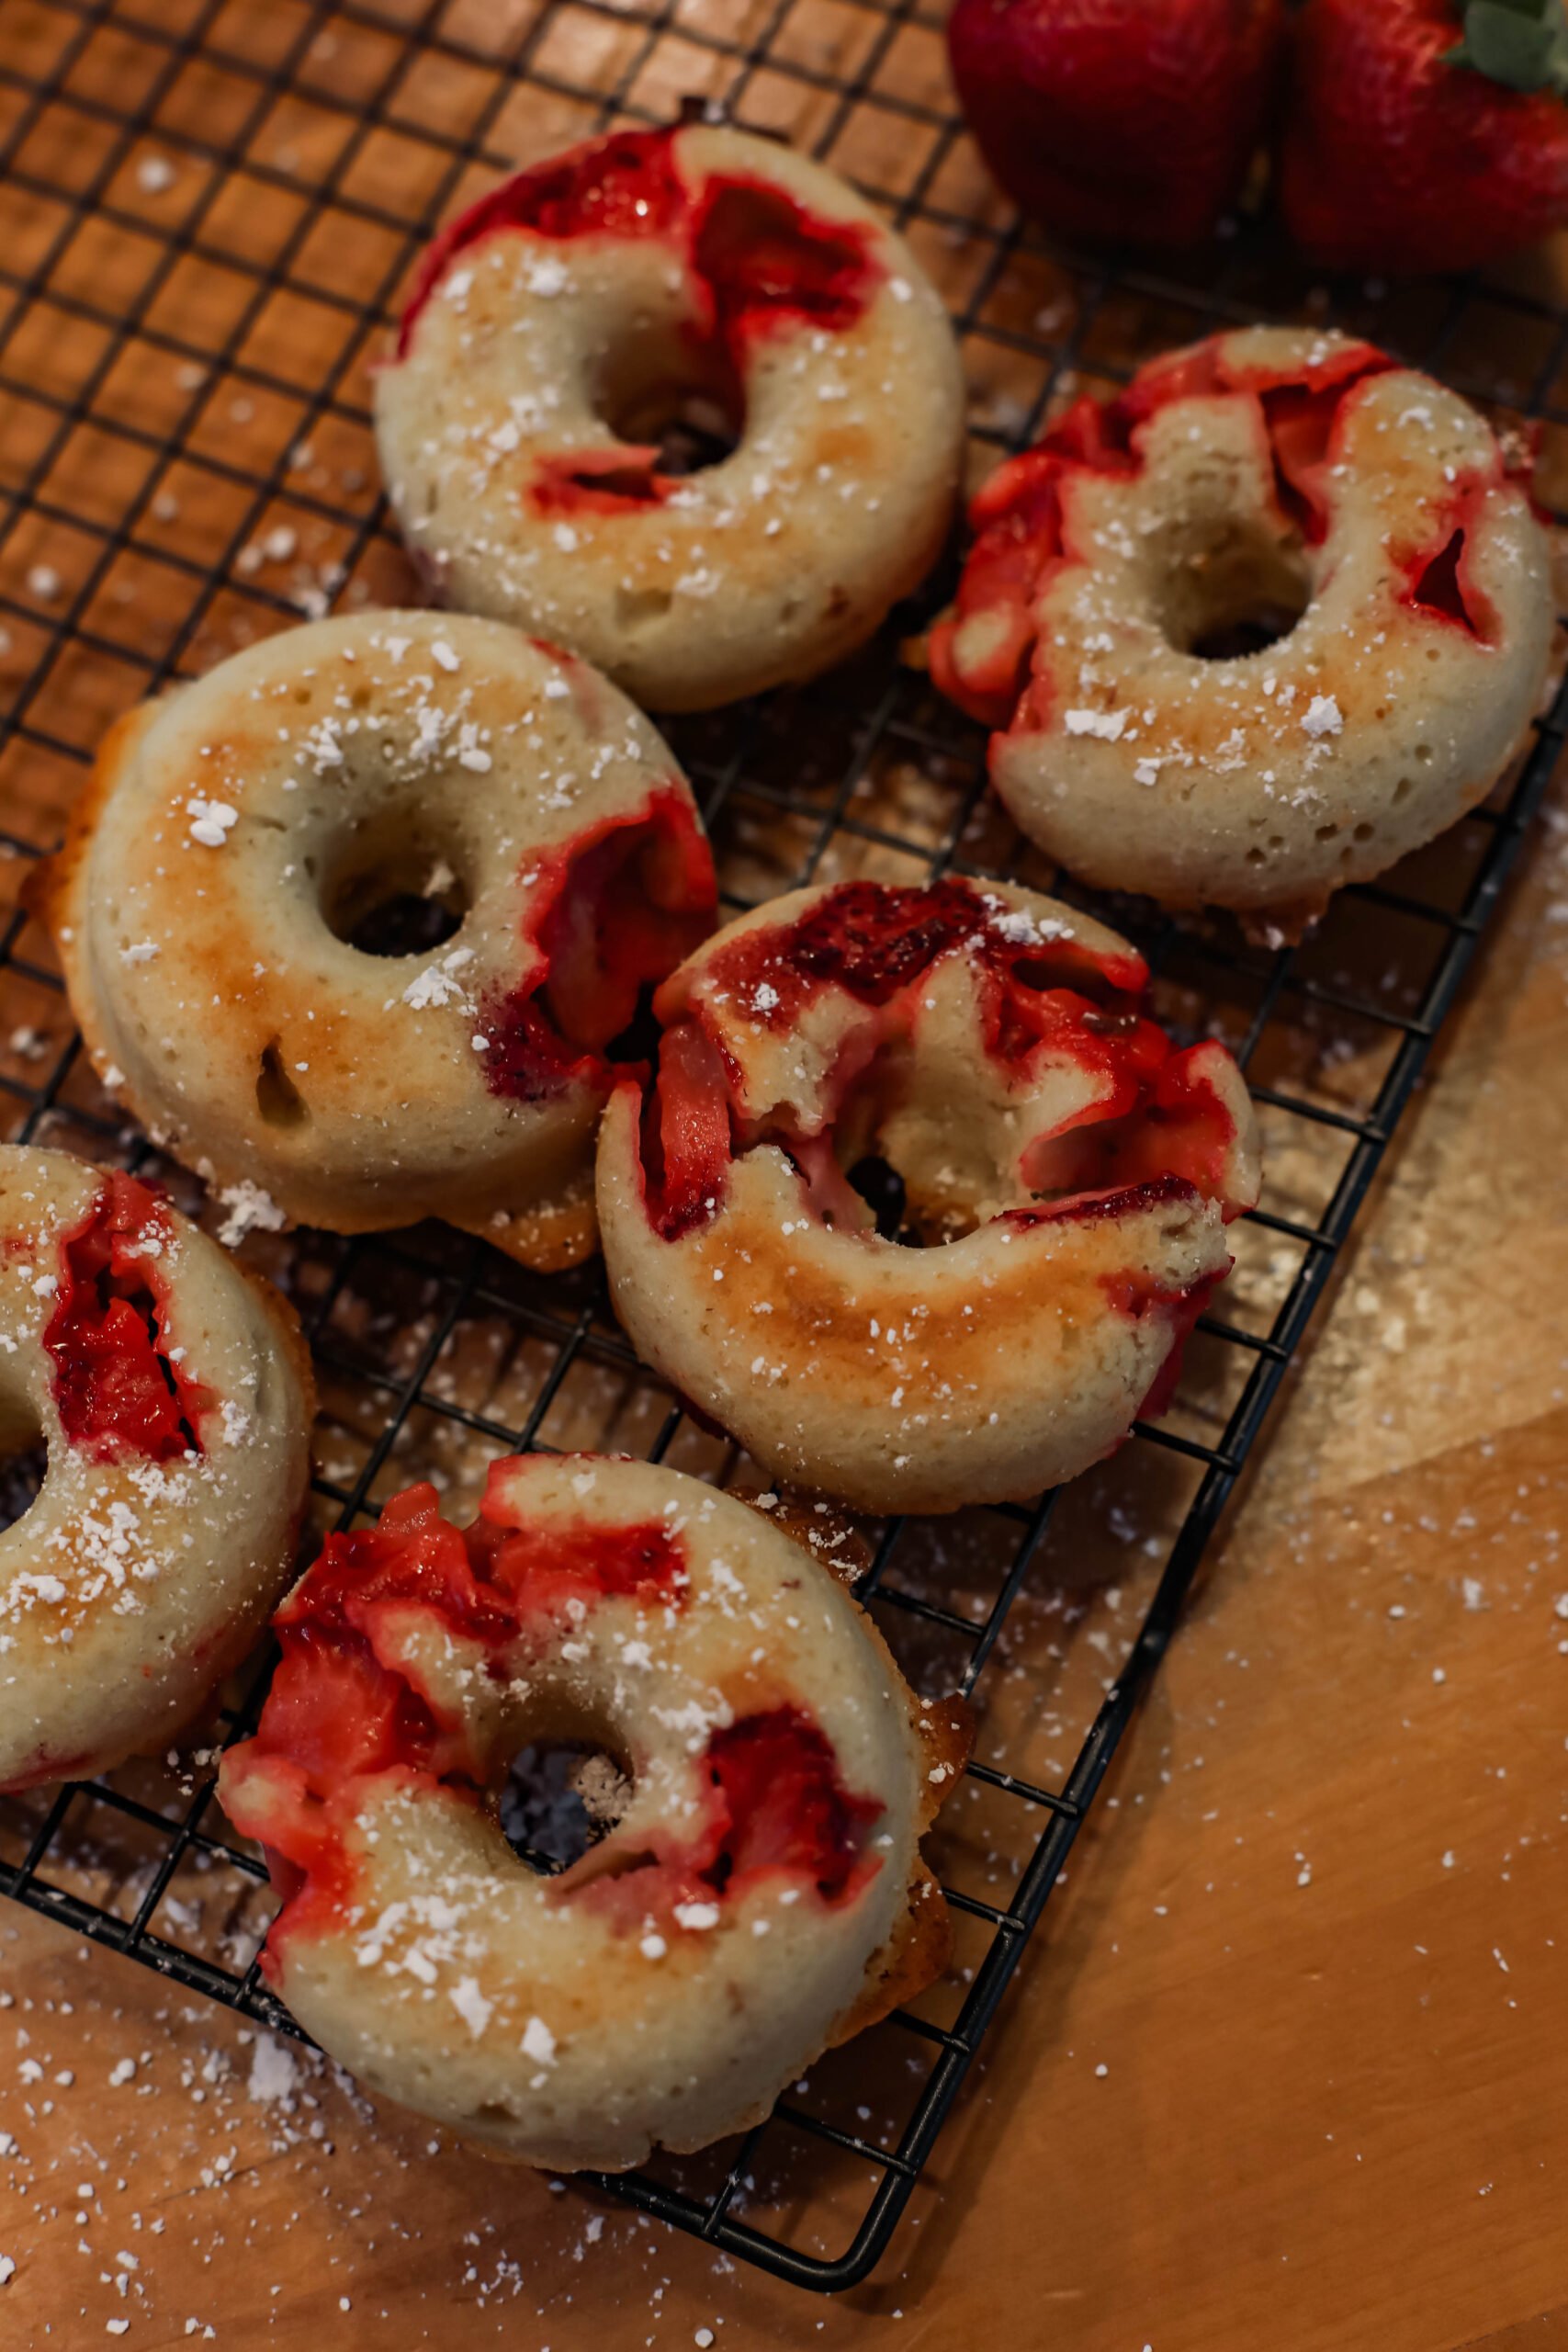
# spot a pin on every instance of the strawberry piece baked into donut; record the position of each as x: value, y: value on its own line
x: 760, y: 1896
x: 169, y: 1392
x: 556, y: 333
x: 989, y: 1048
x: 223, y: 901
x: 1274, y: 477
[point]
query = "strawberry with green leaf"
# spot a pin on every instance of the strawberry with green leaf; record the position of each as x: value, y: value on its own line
x: 1426, y: 134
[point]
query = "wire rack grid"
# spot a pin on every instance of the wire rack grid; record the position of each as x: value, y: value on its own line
x: 209, y: 208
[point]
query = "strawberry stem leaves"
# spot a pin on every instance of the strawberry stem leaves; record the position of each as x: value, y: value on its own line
x: 1521, y: 44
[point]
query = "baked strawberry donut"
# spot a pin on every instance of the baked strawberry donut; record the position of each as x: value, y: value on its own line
x: 555, y: 330
x: 1274, y: 475
x: 170, y: 1393
x: 216, y: 904
x: 1077, y: 1171
x: 760, y: 1896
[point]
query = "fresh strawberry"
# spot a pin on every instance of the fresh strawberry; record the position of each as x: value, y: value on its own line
x: 1426, y: 134
x: 1133, y: 119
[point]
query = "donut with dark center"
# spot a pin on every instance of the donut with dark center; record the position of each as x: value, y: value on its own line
x: 363, y: 924
x: 168, y: 1393
x: 765, y: 1775
x: 679, y: 399
x: 850, y: 1072
x: 1269, y: 618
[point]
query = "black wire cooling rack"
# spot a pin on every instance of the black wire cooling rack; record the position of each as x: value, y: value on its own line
x: 208, y: 207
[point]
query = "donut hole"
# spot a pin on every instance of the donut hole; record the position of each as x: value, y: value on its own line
x: 678, y: 405
x: 933, y: 1156
x: 1233, y: 595
x: 1229, y: 639
x: 24, y: 1458
x: 690, y: 426
x: 387, y: 897
x: 883, y: 1190
x: 558, y: 1799
x: 886, y: 1164
x: 869, y: 1168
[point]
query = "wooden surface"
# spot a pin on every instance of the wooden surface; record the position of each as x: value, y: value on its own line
x: 1286, y: 2066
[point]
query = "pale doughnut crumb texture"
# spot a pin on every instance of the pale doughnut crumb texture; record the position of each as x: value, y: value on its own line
x: 1073, y: 1236
x: 145, y: 1567
x: 231, y: 823
x: 632, y: 2001
x: 497, y: 421
x: 1282, y: 469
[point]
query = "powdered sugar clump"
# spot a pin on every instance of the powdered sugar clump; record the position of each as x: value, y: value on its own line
x: 546, y: 276
x: 538, y: 2043
x: 250, y: 1210
x: 211, y: 822
x: 438, y: 983
x: 1105, y: 724
x: 275, y: 2071
x: 471, y: 2005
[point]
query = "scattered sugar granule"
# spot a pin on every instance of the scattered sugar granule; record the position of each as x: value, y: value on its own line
x: 653, y: 1947
x: 280, y: 544
x: 155, y: 174
x: 8, y: 2269
x: 703, y: 2337
x: 1322, y: 717
x: 44, y: 581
